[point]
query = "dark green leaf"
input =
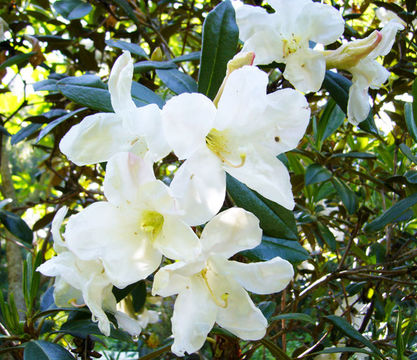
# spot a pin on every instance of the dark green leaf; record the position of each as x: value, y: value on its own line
x: 141, y: 95
x: 86, y: 90
x: 177, y: 81
x: 294, y: 316
x: 220, y: 39
x: 276, y: 352
x: 392, y: 214
x: 272, y: 247
x: 316, y: 173
x: 411, y: 176
x: 120, y: 294
x: 139, y: 296
x: 346, y: 194
x: 275, y: 220
x: 410, y: 120
x: 327, y: 236
x: 157, y: 353
x: 85, y: 327
x: 408, y: 153
x: 194, y: 56
x: 72, y: 9
x: 335, y: 350
x: 124, y: 45
x: 128, y: 10
x: 44, y: 350
x: 4, y: 131
x: 352, y: 333
x: 330, y: 121
x: 144, y: 66
x: 16, y: 225
x: 48, y: 128
x: 355, y: 155
x: 45, y: 85
x: 267, y: 308
x: 16, y: 59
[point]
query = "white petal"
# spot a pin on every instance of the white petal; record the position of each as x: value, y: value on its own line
x: 242, y: 100
x: 261, y: 278
x: 156, y: 196
x: 174, y: 278
x: 106, y: 232
x: 187, y: 119
x: 267, y: 45
x: 177, y: 240
x: 132, y: 326
x: 59, y: 244
x: 95, y: 139
x: 241, y: 317
x: 146, y: 122
x: 388, y: 33
x: 288, y: 114
x: 65, y: 294
x: 305, y: 70
x: 193, y: 318
x: 199, y: 185
x: 231, y: 231
x: 358, y: 103
x: 120, y: 84
x: 125, y: 174
x: 267, y: 175
x: 250, y: 19
x: 320, y: 23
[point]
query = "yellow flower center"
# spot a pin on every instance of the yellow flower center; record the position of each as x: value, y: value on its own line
x: 151, y: 222
x: 291, y: 45
x: 217, y: 142
x: 223, y: 301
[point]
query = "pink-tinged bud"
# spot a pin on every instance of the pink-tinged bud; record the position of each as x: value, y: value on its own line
x: 349, y: 54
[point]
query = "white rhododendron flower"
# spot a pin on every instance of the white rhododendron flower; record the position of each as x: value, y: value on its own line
x: 80, y: 282
x: 211, y: 288
x: 284, y: 37
x: 139, y: 222
x: 242, y: 136
x: 129, y: 128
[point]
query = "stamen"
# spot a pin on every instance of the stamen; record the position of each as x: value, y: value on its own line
x: 152, y: 222
x: 242, y: 161
x: 73, y: 303
x: 217, y: 142
x: 224, y: 297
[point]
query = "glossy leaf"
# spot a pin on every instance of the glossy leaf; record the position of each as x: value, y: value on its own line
x: 352, y: 333
x: 124, y: 45
x: 72, y: 9
x: 177, y: 81
x: 411, y: 176
x: 25, y: 132
x: 410, y: 120
x: 144, y: 66
x: 272, y: 247
x: 335, y: 350
x: 392, y: 214
x: 220, y: 39
x: 44, y: 350
x: 194, y: 56
x: 17, y: 226
x: 295, y: 316
x: 330, y: 120
x: 16, y: 59
x: 316, y: 173
x: 346, y: 194
x: 408, y: 153
x: 275, y: 220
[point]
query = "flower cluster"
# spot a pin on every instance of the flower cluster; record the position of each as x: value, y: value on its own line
x: 123, y: 239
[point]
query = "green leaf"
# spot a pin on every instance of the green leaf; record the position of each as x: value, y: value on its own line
x: 408, y: 153
x: 17, y: 226
x: 24, y: 133
x: 327, y: 236
x: 124, y: 45
x: 275, y: 220
x: 4, y: 131
x: 352, y: 333
x: 86, y: 90
x: 45, y: 85
x: 85, y: 327
x: 346, y: 194
x: 194, y: 56
x: 316, y: 173
x: 411, y: 176
x: 128, y: 10
x: 220, y: 39
x: 410, y: 120
x: 16, y: 59
x: 48, y: 128
x: 157, y: 353
x: 267, y: 308
x: 399, y: 341
x: 144, y: 66
x: 414, y: 107
x: 330, y: 120
x: 177, y: 81
x: 141, y: 95
x: 271, y: 247
x: 294, y: 316
x: 355, y: 155
x: 44, y: 350
x: 137, y: 288
x: 72, y: 9
x: 335, y: 350
x: 276, y: 352
x: 392, y: 214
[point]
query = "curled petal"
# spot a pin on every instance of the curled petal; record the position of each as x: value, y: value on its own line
x: 187, y: 119
x: 230, y: 232
x: 59, y: 244
x: 358, y: 103
x: 261, y: 278
x: 388, y: 32
x: 193, y: 318
x: 132, y: 326
x: 120, y: 84
x: 96, y: 139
